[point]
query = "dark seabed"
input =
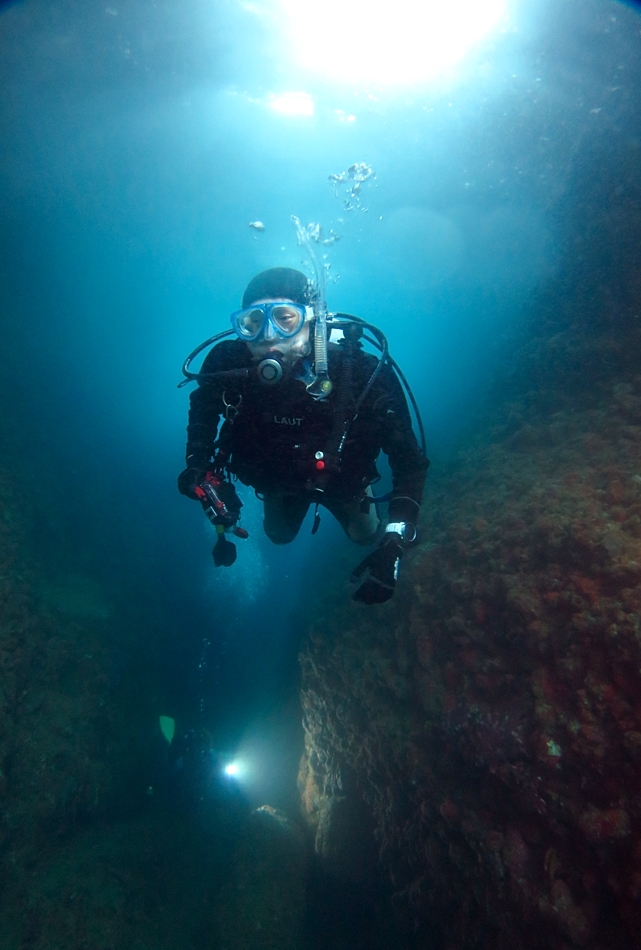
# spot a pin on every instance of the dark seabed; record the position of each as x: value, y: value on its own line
x: 467, y: 775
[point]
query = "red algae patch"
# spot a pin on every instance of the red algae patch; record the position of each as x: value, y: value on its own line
x: 605, y: 825
x: 487, y: 722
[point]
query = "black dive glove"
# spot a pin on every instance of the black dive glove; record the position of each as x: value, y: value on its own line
x: 377, y: 573
x: 192, y: 476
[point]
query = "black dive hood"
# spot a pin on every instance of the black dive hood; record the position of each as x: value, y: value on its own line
x: 272, y: 369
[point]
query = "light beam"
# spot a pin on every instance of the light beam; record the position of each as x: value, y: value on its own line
x: 387, y: 43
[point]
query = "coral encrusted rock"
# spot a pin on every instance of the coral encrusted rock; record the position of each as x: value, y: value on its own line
x: 486, y: 723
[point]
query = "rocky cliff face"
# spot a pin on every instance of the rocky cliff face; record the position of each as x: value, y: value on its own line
x: 485, y: 726
x: 60, y: 720
x: 488, y: 721
x: 76, y: 719
x: 89, y: 857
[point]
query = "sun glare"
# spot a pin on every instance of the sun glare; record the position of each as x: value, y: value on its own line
x: 292, y: 103
x: 377, y: 41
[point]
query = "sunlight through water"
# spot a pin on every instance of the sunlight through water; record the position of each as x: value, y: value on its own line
x: 387, y: 43
x: 292, y: 103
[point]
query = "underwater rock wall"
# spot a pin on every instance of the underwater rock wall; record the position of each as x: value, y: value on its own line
x: 87, y: 857
x: 486, y: 724
x: 491, y: 723
x: 76, y: 709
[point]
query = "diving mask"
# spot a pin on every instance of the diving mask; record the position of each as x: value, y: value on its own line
x: 278, y: 319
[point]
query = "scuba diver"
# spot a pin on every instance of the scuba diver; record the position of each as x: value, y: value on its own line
x: 195, y: 772
x: 304, y: 420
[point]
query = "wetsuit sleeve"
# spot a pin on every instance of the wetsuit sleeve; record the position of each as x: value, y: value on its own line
x: 407, y: 461
x: 205, y: 409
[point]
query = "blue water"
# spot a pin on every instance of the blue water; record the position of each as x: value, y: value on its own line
x: 138, y: 143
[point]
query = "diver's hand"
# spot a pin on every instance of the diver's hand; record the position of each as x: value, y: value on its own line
x: 229, y: 496
x: 377, y: 573
x: 188, y: 480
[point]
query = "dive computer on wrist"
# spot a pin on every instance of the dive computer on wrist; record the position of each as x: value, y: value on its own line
x: 404, y: 529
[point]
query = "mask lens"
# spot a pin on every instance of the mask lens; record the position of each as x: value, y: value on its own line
x: 250, y: 322
x: 267, y: 320
x: 287, y: 319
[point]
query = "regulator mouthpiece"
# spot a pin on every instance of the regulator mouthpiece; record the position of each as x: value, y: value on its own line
x: 270, y: 370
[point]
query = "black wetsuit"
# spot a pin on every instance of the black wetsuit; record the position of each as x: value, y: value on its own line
x: 271, y: 434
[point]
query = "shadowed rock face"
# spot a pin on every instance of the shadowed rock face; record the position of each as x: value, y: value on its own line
x: 75, y: 698
x: 486, y: 724
x: 86, y: 858
x: 491, y: 724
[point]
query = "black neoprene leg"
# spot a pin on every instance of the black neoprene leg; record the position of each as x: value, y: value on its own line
x: 359, y: 522
x: 284, y: 514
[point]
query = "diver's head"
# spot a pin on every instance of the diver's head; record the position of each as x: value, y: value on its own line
x: 276, y: 315
x: 279, y: 283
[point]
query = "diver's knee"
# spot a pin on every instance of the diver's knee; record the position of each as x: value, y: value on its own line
x: 277, y: 538
x: 283, y: 517
x: 280, y: 532
x: 356, y: 534
x: 364, y: 528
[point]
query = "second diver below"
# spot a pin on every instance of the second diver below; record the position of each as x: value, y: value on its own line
x: 301, y: 437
